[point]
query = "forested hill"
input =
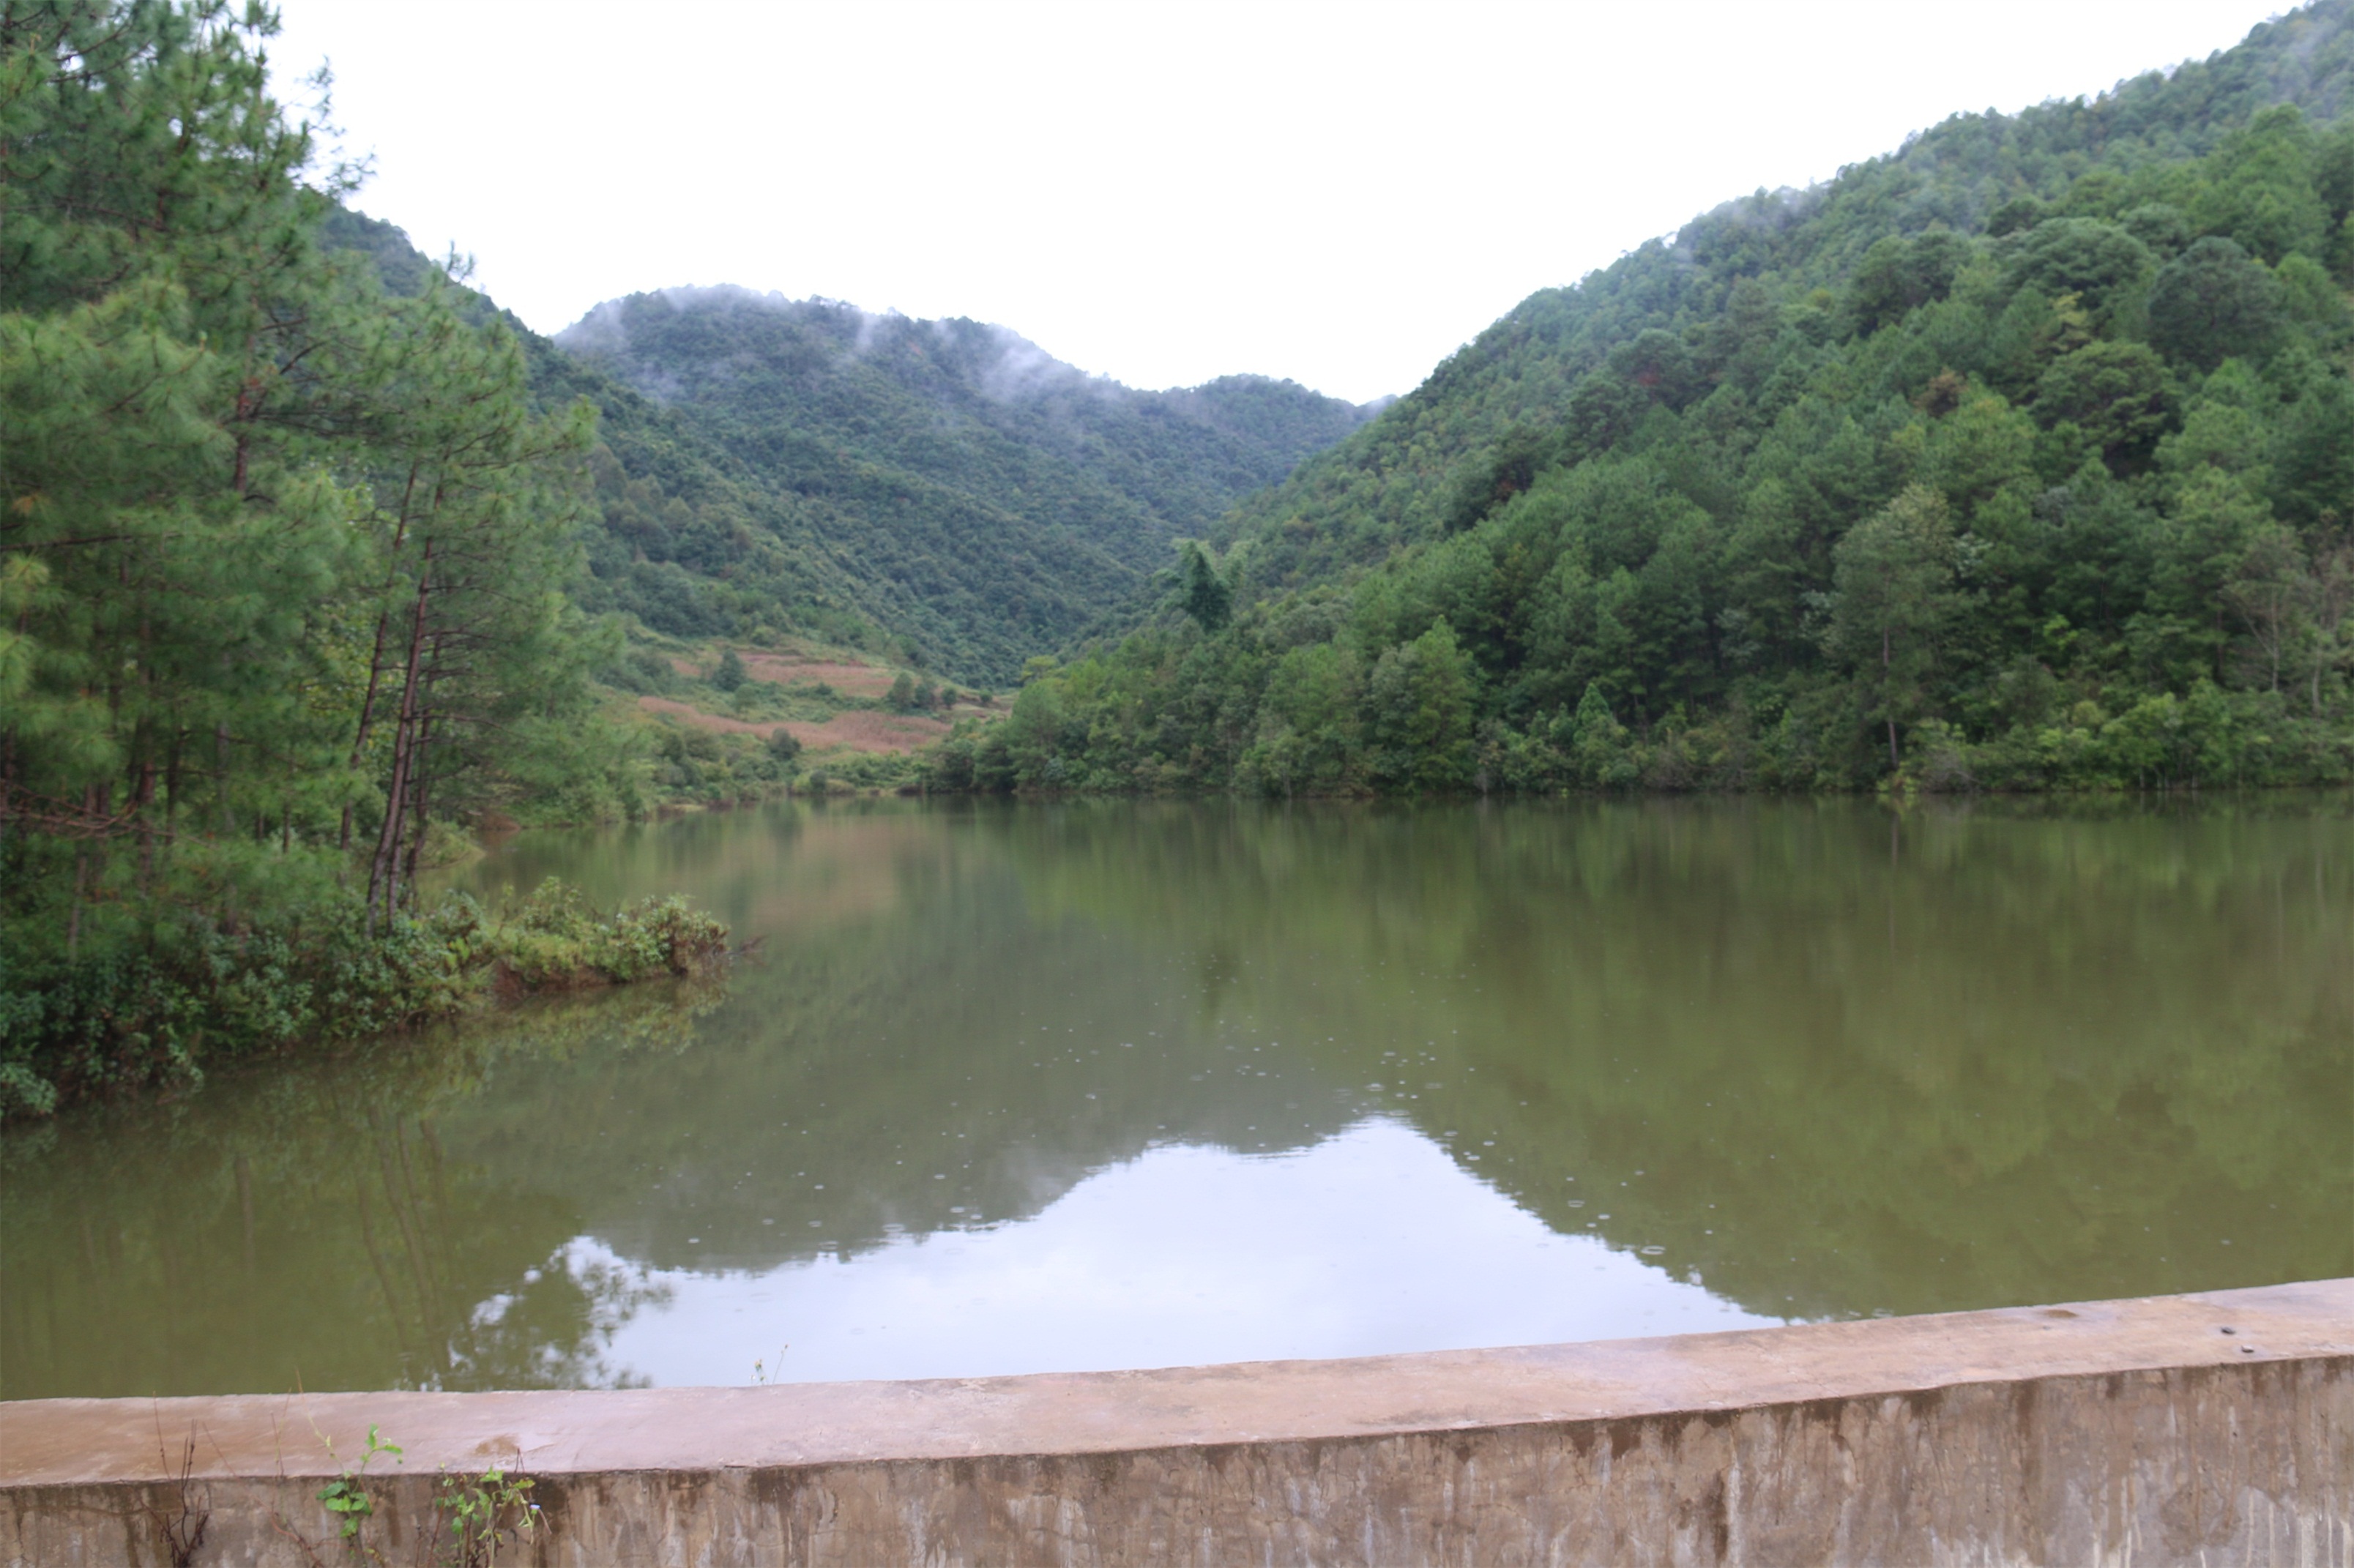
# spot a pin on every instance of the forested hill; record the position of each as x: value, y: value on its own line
x: 2022, y: 456
x: 677, y: 532
x: 946, y: 490
x: 1409, y: 474
x: 982, y: 499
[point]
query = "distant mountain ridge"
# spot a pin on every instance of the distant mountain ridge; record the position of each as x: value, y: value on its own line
x: 985, y: 373
x: 991, y: 499
x: 946, y: 490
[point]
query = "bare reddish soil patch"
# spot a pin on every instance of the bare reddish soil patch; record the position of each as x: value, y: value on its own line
x: 871, y: 732
x: 700, y: 720
x: 859, y: 731
x: 787, y: 668
x: 859, y: 680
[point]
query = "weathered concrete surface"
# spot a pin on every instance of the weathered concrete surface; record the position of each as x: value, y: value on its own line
x: 2215, y: 1428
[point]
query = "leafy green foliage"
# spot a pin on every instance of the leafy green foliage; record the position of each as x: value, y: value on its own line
x: 472, y: 1515
x: 2214, y: 303
x: 284, y: 542
x: 479, y: 1513
x: 1894, y: 597
x: 2021, y: 458
x: 309, y: 975
x: 1203, y: 594
x: 347, y: 1497
x: 553, y: 940
x: 968, y: 497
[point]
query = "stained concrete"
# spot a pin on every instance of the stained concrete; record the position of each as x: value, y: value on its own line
x: 2207, y: 1428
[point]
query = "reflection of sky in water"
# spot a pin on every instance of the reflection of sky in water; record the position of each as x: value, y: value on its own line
x: 1836, y: 1060
x: 1372, y: 1242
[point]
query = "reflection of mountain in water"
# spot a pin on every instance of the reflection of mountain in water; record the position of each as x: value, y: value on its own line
x: 969, y: 1067
x: 309, y: 1225
x: 1829, y: 1060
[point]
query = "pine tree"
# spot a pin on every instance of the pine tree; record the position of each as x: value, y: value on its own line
x: 281, y: 558
x: 1893, y: 594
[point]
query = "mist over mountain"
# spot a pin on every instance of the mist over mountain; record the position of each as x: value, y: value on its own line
x: 982, y: 499
x: 946, y: 490
x: 2023, y: 456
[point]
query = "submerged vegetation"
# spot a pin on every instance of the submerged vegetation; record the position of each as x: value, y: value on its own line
x: 316, y: 975
x: 2021, y: 458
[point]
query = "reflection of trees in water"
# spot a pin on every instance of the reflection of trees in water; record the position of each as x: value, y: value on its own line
x: 553, y: 1328
x: 305, y: 1224
x: 2011, y: 1054
x: 942, y: 1069
x: 2031, y: 1053
x: 462, y: 1314
x: 2018, y: 1052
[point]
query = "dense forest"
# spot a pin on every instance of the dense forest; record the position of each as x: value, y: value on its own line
x: 942, y: 492
x: 977, y: 501
x: 2020, y: 457
x: 283, y: 562
x: 309, y: 553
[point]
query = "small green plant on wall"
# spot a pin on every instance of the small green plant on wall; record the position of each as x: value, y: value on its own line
x: 473, y: 1516
x: 477, y: 1515
x: 346, y: 1496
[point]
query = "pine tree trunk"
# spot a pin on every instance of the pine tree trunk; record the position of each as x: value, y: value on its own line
x: 1887, y: 671
x: 142, y: 797
x: 172, y: 786
x: 376, y: 656
x: 81, y: 876
x: 384, y: 870
x: 220, y: 778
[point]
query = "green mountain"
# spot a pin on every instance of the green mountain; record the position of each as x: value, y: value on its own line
x: 942, y: 489
x: 2020, y: 457
x: 679, y: 534
x: 976, y: 498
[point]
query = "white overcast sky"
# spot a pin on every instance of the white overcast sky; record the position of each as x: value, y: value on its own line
x: 1160, y: 193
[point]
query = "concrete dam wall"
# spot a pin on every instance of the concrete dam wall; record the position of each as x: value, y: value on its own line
x: 2211, y: 1428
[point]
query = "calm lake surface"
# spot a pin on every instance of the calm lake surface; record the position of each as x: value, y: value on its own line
x: 1017, y: 1088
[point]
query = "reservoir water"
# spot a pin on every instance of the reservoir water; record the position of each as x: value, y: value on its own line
x: 1008, y: 1088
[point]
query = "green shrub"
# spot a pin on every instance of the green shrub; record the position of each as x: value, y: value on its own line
x: 125, y: 1019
